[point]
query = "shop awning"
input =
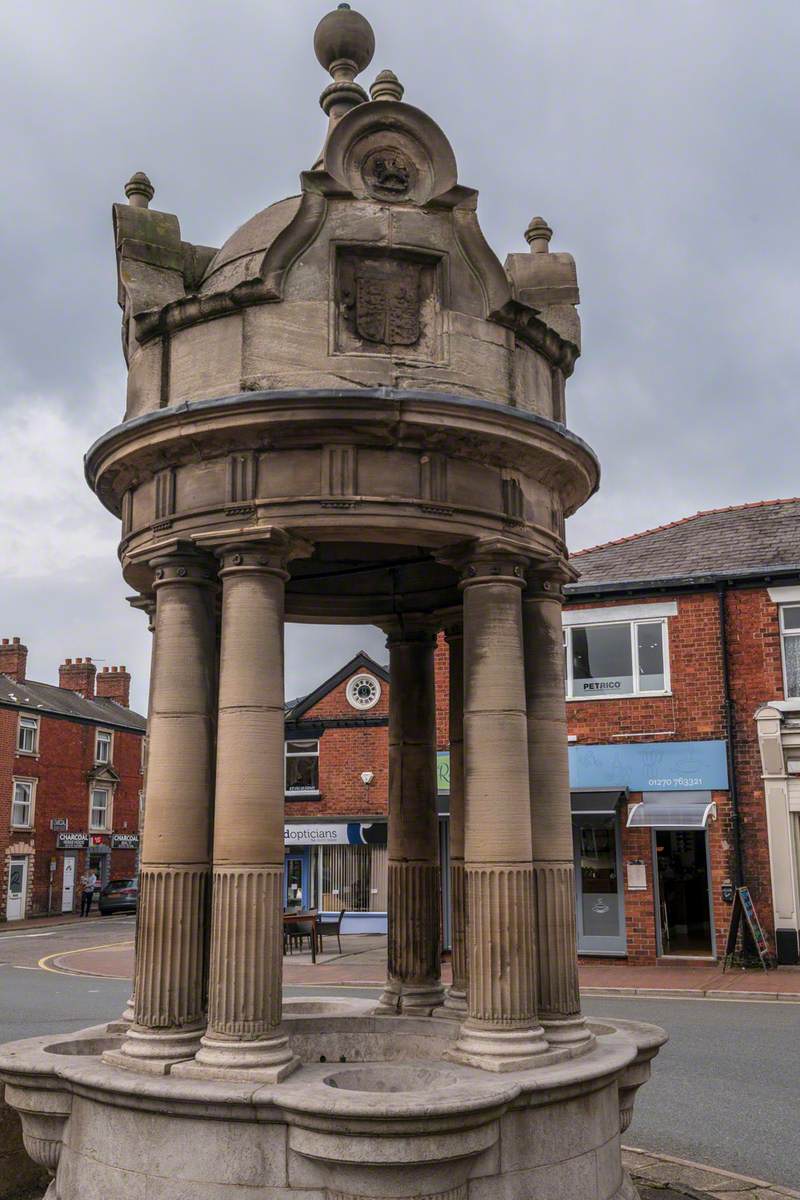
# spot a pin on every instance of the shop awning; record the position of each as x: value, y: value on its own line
x: 600, y: 802
x: 672, y: 810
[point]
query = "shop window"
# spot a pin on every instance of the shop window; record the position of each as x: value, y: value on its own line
x: 100, y: 808
x: 302, y: 767
x: 102, y: 747
x: 22, y: 803
x: 790, y: 638
x: 621, y: 658
x: 28, y: 735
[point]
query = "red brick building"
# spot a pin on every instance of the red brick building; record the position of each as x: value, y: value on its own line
x: 337, y: 783
x: 674, y: 638
x: 71, y: 761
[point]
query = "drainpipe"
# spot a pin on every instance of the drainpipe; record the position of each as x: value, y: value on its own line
x: 736, y: 820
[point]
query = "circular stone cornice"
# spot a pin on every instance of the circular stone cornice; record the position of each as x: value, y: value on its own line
x: 461, y: 426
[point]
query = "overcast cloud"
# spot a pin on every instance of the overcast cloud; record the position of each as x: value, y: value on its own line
x: 660, y: 138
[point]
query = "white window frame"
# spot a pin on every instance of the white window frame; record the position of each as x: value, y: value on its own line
x: 101, y: 787
x: 784, y: 634
x: 20, y: 726
x: 300, y: 754
x: 21, y: 781
x: 634, y: 623
x: 103, y: 733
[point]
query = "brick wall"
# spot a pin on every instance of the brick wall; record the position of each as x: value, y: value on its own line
x: 343, y: 754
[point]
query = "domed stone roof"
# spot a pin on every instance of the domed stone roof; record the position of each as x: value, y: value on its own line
x: 241, y: 256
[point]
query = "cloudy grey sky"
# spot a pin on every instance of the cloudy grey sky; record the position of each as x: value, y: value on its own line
x: 659, y: 137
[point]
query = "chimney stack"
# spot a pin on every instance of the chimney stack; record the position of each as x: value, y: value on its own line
x: 13, y: 659
x: 78, y: 676
x: 114, y: 683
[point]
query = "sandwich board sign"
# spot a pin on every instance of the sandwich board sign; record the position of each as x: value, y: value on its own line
x: 743, y: 907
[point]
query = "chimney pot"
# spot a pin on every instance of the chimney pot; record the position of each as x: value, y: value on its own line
x: 13, y: 659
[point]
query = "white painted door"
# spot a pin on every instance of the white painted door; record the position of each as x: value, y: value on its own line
x: 17, y: 886
x: 68, y: 884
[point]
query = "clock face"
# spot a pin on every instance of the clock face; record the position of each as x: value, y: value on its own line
x: 363, y: 691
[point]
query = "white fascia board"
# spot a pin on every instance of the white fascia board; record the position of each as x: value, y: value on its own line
x: 622, y: 612
x: 784, y: 595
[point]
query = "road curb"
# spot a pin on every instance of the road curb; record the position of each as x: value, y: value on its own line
x: 692, y: 994
x: 697, y: 1180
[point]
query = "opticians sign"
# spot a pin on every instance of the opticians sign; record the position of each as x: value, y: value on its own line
x: 354, y: 833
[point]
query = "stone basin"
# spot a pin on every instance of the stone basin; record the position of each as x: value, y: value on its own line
x: 398, y: 1079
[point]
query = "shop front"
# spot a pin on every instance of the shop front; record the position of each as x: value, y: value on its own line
x: 645, y: 838
x: 337, y: 866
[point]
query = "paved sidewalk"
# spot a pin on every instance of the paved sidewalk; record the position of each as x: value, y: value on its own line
x: 661, y: 1177
x: 362, y: 963
x: 46, y: 922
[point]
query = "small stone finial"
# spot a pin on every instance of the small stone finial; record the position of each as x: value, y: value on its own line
x: 538, y: 235
x: 387, y: 87
x: 139, y: 190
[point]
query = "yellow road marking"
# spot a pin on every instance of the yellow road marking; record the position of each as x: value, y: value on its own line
x: 42, y: 964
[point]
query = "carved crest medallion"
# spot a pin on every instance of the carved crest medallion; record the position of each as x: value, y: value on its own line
x: 387, y: 301
x: 388, y: 174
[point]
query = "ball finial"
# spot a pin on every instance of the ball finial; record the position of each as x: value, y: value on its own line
x: 344, y: 43
x: 538, y: 235
x: 139, y: 190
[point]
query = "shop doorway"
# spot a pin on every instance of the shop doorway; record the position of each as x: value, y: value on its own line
x: 598, y: 883
x: 68, y: 884
x: 296, y: 880
x: 683, y: 898
x: 17, y: 888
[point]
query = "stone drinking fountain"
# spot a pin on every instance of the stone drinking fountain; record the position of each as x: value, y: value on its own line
x: 351, y: 412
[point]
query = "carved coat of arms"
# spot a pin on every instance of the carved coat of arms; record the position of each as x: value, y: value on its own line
x: 387, y: 301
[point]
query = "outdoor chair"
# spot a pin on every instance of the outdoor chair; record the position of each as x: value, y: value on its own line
x: 328, y: 926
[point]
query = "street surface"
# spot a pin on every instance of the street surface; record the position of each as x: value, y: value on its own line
x: 725, y: 1089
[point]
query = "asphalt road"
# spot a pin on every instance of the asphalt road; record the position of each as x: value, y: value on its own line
x: 725, y: 1089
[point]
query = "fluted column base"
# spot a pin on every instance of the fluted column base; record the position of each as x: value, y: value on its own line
x: 267, y: 1059
x: 455, y: 1000
x: 169, y: 1016
x: 558, y: 995
x: 243, y: 1038
x: 414, y: 982
x: 501, y: 1032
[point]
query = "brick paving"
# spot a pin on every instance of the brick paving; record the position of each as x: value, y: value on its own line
x: 363, y: 963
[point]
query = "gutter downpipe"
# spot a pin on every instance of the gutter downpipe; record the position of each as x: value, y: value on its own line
x: 736, y: 821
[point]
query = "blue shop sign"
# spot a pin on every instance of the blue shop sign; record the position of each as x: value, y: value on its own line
x: 651, y: 767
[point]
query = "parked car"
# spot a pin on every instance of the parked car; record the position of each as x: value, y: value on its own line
x: 119, y: 895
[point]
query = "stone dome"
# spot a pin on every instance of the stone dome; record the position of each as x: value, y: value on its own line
x: 241, y: 256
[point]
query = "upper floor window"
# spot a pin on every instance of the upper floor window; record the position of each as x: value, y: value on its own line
x: 28, y: 735
x: 22, y: 803
x: 620, y: 658
x: 100, y: 808
x: 102, y: 747
x: 302, y: 766
x: 790, y: 638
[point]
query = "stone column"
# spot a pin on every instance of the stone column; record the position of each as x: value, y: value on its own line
x: 501, y: 1032
x: 455, y: 1001
x: 558, y: 998
x: 414, y: 905
x: 245, y: 976
x: 170, y: 983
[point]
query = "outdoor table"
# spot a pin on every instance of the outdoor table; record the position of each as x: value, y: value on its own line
x: 309, y: 918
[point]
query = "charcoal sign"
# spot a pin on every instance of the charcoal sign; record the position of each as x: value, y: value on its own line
x: 124, y: 841
x: 72, y: 841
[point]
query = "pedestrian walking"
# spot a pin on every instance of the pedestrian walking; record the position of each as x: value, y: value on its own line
x: 88, y: 884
